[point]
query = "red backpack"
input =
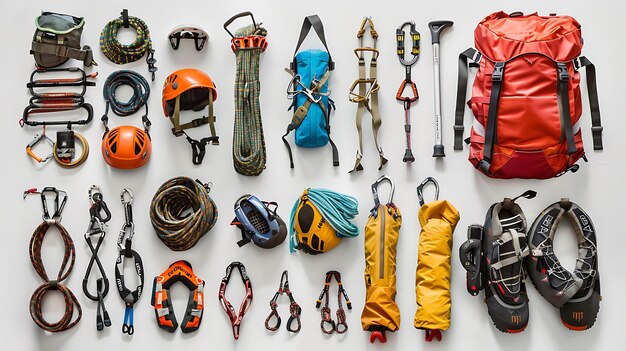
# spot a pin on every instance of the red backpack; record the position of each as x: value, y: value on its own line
x: 526, y: 96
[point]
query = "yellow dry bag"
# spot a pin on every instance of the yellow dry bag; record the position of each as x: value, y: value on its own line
x: 432, y: 277
x: 381, y: 313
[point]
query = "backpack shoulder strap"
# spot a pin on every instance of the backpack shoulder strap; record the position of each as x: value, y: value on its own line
x: 475, y: 56
x: 594, y: 105
x: 314, y: 22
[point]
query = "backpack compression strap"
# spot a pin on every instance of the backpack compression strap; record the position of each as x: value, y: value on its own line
x: 475, y: 56
x: 314, y: 22
x: 60, y: 50
x: 594, y: 105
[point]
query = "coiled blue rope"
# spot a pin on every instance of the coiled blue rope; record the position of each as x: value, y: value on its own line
x: 338, y: 209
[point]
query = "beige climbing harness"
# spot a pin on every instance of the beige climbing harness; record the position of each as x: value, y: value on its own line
x: 367, y: 97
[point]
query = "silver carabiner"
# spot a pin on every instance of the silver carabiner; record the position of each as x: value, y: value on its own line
x: 375, y: 190
x: 420, y: 188
x: 125, y: 192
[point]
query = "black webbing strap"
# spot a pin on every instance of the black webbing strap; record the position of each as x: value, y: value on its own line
x: 314, y: 22
x: 564, y: 110
x: 492, y: 116
x: 475, y: 56
x: 594, y: 105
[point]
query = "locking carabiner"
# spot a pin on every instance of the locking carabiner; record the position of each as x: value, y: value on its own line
x: 420, y: 188
x: 375, y: 192
x: 58, y: 205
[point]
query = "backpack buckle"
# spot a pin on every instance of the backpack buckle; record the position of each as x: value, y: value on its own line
x: 498, y: 72
x: 563, y: 74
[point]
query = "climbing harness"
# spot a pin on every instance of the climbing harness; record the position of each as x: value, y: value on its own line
x: 294, y: 309
x: 310, y: 94
x: 248, y: 43
x: 235, y: 318
x: 190, y: 89
x: 194, y: 32
x: 577, y: 293
x: 319, y: 219
x: 179, y: 271
x: 407, y: 100
x: 341, y: 326
x: 35, y: 248
x: 124, y: 53
x: 382, y: 231
x: 126, y: 147
x: 182, y: 212
x: 125, y: 251
x: 367, y: 97
x: 40, y: 138
x: 57, y: 39
x: 99, y: 215
x: 258, y: 223
x: 438, y: 220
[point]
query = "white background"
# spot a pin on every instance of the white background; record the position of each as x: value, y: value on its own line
x: 596, y: 187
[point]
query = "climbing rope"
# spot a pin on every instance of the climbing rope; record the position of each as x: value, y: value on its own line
x: 124, y: 53
x: 182, y: 212
x: 35, y: 248
x: 141, y: 93
x: 338, y: 209
x: 249, y: 155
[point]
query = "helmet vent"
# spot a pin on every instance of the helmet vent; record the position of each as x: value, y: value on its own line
x: 258, y: 222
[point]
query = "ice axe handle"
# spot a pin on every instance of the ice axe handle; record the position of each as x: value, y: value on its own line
x: 436, y: 28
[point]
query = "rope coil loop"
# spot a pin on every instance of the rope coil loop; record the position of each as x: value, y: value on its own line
x: 182, y: 212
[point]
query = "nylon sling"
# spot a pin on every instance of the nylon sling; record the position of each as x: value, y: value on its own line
x: 367, y: 98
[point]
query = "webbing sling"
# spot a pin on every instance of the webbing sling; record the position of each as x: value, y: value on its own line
x: 475, y: 57
x: 312, y: 92
x: 367, y: 98
x: 198, y: 147
x: 492, y: 115
x: 249, y: 155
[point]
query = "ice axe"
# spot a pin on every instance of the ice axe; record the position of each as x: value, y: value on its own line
x: 436, y: 28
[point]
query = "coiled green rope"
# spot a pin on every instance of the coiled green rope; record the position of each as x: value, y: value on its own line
x: 124, y: 53
x: 182, y: 212
x: 249, y: 155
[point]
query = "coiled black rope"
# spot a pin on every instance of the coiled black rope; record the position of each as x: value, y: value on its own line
x: 124, y: 53
x: 182, y: 212
x: 141, y: 93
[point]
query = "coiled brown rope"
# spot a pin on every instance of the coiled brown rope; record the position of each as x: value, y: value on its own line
x: 36, y: 299
x: 182, y: 212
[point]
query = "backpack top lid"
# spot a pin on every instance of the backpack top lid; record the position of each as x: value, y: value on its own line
x: 501, y: 36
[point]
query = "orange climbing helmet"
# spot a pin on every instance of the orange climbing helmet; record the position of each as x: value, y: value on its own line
x: 126, y: 147
x: 190, y: 89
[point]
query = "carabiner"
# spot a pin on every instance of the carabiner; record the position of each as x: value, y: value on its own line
x: 58, y: 205
x: 420, y: 188
x: 415, y: 38
x: 35, y: 141
x: 98, y: 208
x: 375, y: 191
x: 123, y: 196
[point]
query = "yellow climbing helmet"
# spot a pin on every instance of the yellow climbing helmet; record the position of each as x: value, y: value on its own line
x: 311, y: 231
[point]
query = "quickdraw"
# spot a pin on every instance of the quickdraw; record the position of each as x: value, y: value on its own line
x: 179, y: 271
x: 294, y: 309
x: 341, y: 326
x: 367, y: 97
x: 248, y: 43
x: 68, y: 320
x: 182, y: 212
x: 130, y: 297
x: 124, y: 53
x: 234, y: 317
x: 407, y: 100
x: 99, y: 215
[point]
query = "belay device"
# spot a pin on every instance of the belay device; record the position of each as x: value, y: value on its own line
x: 258, y: 223
x: 380, y: 312
x: 179, y: 271
x: 309, y: 92
x: 57, y: 39
x: 438, y: 220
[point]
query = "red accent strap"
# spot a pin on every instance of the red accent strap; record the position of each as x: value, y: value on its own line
x: 380, y: 335
x: 432, y: 334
